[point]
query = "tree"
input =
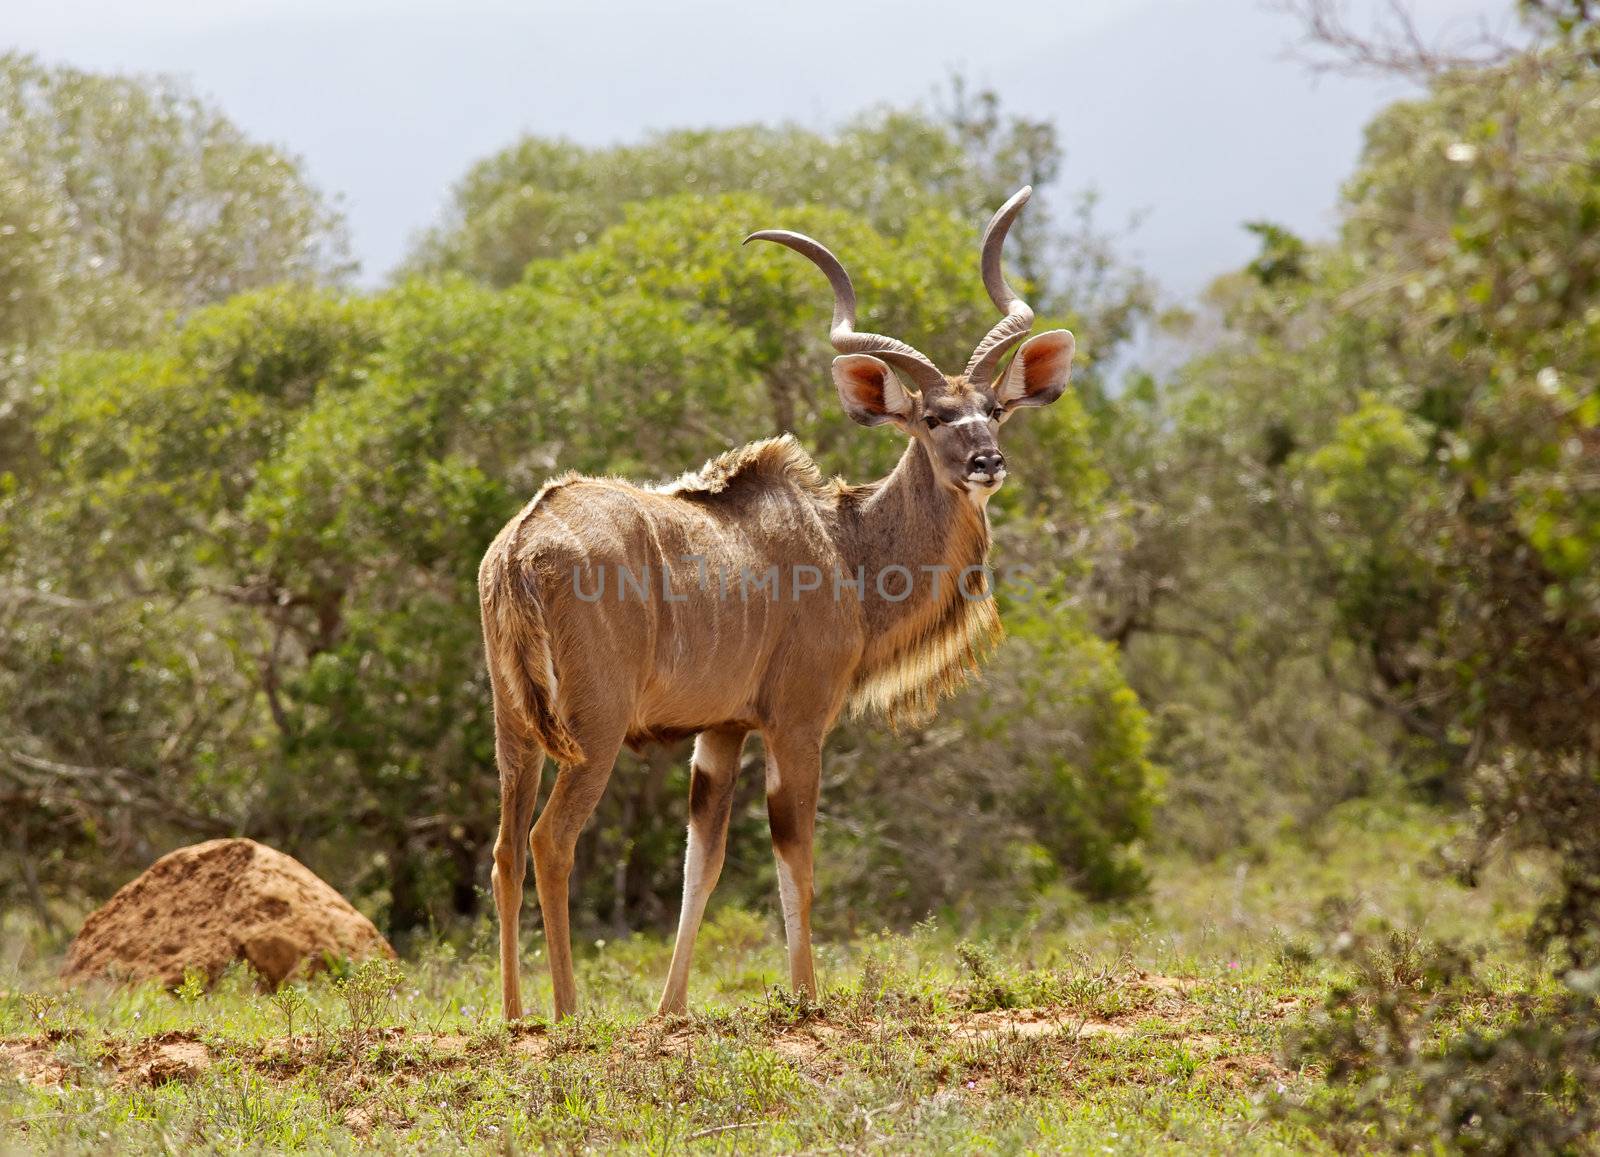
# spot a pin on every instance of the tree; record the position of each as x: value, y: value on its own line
x: 542, y: 198
x: 122, y: 197
x: 1397, y: 435
x: 123, y: 200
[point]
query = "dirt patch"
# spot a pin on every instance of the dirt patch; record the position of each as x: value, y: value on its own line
x: 1032, y: 1023
x: 57, y: 1059
x: 205, y: 906
x: 1154, y: 1005
x: 992, y: 1050
x: 159, y: 1060
x: 1171, y: 984
x: 36, y: 1060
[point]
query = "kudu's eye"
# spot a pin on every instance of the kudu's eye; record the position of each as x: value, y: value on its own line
x: 931, y: 422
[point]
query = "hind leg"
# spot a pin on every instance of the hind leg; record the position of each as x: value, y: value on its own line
x: 521, y: 763
x: 578, y: 789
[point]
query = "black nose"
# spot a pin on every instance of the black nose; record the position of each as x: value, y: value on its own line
x: 989, y: 462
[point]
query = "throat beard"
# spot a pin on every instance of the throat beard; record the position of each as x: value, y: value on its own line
x: 924, y: 649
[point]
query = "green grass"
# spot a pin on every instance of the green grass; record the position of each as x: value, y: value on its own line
x: 1156, y: 1027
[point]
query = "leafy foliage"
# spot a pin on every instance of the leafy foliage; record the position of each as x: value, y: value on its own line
x: 1379, y: 487
x: 890, y: 169
x: 247, y: 550
x: 1394, y: 445
x: 122, y: 197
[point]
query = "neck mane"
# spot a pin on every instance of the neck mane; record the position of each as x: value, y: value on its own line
x: 909, y: 529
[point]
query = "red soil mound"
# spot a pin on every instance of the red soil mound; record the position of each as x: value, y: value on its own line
x: 205, y: 906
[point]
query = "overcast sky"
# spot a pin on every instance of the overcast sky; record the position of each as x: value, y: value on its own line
x: 1185, y: 112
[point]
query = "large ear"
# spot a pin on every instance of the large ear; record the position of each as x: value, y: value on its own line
x: 871, y: 394
x: 1040, y: 371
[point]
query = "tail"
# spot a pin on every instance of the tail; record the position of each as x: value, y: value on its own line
x: 518, y: 645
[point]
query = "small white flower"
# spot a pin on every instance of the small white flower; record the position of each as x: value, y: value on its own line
x: 1549, y: 380
x: 1461, y: 153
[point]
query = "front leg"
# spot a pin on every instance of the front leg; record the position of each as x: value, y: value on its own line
x: 794, y: 775
x: 712, y: 773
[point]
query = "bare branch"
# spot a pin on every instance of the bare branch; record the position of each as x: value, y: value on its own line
x: 1392, y: 45
x: 268, y: 669
x: 53, y: 782
x: 51, y: 598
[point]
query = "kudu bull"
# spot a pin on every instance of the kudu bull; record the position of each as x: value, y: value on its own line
x: 750, y: 595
